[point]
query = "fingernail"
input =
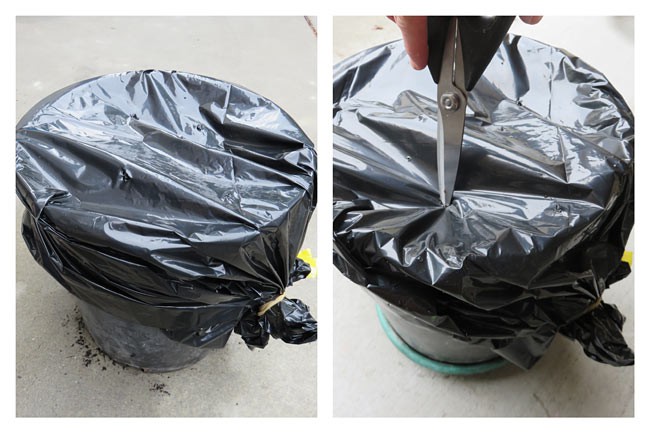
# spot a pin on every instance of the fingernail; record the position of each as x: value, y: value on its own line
x: 416, y: 66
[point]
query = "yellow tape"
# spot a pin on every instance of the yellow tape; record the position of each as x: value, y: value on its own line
x: 306, y: 256
x: 627, y: 257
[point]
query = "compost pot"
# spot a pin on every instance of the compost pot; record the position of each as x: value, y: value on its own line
x: 173, y: 206
x: 139, y: 346
x: 434, y: 343
x: 534, y: 236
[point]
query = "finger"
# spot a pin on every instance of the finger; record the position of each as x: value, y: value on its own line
x: 414, y: 33
x: 531, y: 19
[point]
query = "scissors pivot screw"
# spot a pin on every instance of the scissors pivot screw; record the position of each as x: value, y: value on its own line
x: 450, y: 101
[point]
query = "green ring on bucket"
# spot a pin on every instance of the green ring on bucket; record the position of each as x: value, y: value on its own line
x: 437, y: 366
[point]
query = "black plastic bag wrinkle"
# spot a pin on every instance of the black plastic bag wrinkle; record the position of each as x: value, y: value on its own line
x: 543, y: 203
x: 172, y: 199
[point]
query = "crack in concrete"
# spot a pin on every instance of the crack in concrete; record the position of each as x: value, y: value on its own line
x: 539, y: 400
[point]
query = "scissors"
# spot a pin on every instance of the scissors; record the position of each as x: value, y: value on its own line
x: 460, y: 48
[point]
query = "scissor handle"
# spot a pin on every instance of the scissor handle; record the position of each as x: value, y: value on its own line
x: 480, y: 39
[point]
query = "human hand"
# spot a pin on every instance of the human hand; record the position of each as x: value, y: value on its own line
x: 414, y: 33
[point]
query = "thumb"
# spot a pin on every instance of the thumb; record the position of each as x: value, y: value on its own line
x: 414, y: 33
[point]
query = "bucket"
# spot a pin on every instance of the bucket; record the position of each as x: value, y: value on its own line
x: 167, y: 203
x: 435, y: 349
x: 139, y: 346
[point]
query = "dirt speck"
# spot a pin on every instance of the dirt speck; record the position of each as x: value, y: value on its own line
x: 159, y: 387
x: 90, y: 354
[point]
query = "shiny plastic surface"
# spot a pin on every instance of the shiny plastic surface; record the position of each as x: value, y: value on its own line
x: 172, y: 199
x: 542, y: 207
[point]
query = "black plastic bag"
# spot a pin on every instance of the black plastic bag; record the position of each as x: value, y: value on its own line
x: 172, y: 199
x: 542, y: 209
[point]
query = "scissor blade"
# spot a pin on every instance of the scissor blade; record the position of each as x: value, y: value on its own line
x: 450, y: 141
x: 451, y: 122
x: 440, y: 159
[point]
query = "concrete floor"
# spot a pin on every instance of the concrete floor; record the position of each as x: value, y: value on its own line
x: 59, y: 371
x: 371, y: 378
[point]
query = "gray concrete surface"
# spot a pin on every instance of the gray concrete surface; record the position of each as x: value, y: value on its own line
x: 59, y: 371
x: 371, y: 378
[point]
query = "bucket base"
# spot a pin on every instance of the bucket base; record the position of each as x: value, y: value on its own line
x: 135, y: 345
x: 437, y: 366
